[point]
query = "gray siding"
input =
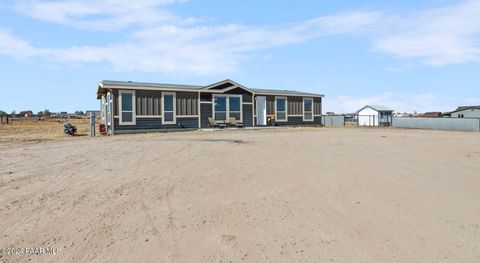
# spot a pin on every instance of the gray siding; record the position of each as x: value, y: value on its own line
x: 187, y: 103
x: 295, y: 105
x: 115, y: 102
x: 148, y: 102
x: 205, y: 113
x: 317, y: 106
x: 156, y: 124
x: 270, y: 105
x: 205, y: 96
x: 247, y: 115
x: 246, y: 96
x: 299, y: 121
x: 222, y: 86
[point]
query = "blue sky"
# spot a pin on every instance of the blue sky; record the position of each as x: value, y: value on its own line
x: 410, y: 55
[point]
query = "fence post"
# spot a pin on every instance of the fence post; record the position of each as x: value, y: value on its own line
x: 92, y: 124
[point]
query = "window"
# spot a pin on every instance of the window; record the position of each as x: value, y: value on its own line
x: 220, y: 108
x: 281, y: 108
x: 307, y: 109
x: 127, y: 106
x: 168, y: 104
x: 234, y: 108
x: 227, y: 106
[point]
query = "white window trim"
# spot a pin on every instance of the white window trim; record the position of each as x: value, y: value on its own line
x: 174, y: 121
x: 134, y: 107
x: 313, y: 110
x: 286, y: 109
x: 228, y: 105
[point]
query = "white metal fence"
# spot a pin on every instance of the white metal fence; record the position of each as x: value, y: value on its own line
x: 448, y: 124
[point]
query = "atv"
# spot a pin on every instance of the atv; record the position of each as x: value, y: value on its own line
x: 69, y: 129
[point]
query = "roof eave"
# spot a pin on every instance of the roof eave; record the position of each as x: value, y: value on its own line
x: 289, y: 94
x: 106, y: 86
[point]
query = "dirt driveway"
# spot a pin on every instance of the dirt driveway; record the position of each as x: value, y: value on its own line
x: 286, y: 195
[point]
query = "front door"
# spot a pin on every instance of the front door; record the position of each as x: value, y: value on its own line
x: 261, y: 110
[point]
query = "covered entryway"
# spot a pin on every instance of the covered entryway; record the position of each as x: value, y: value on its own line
x: 261, y: 110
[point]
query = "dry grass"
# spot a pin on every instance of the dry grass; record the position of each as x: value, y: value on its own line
x: 29, y: 130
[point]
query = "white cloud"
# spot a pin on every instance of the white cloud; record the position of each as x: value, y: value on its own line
x: 440, y: 36
x: 96, y: 15
x: 396, y: 101
x: 159, y: 41
x: 16, y: 47
x: 196, y: 49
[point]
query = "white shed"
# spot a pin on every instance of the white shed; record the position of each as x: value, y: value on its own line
x: 374, y: 115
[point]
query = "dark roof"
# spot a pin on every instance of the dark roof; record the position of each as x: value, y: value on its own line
x: 431, y: 114
x: 148, y: 84
x: 197, y: 87
x: 283, y: 92
x: 467, y: 108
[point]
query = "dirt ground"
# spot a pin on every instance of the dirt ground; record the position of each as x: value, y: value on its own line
x: 283, y: 195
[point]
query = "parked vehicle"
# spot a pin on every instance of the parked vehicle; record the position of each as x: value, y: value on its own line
x: 69, y: 129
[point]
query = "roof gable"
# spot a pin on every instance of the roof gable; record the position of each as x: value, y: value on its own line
x: 226, y: 85
x: 377, y: 108
x: 461, y: 108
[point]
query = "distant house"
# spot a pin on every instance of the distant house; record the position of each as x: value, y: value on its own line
x: 431, y: 115
x: 466, y: 112
x: 374, y: 115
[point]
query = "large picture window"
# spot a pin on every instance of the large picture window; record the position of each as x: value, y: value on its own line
x: 127, y: 106
x: 308, y: 109
x: 168, y: 104
x: 227, y: 106
x: 281, y: 109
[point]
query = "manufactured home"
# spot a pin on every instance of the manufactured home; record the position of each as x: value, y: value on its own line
x: 130, y: 107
